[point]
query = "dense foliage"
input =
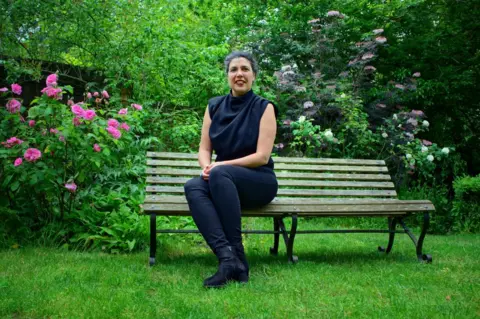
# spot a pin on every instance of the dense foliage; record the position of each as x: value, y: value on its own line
x: 394, y: 80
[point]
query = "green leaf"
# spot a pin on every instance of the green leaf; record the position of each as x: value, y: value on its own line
x: 15, y: 185
x: 68, y: 88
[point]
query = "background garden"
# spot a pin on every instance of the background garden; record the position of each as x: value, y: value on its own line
x: 88, y: 86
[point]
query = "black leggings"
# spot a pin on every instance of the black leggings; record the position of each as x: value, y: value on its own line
x: 216, y: 204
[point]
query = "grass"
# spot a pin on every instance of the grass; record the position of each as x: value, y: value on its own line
x: 337, y: 276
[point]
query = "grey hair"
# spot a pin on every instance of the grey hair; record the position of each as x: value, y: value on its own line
x: 241, y: 54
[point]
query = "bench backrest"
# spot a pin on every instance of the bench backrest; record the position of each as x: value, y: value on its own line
x: 299, y: 179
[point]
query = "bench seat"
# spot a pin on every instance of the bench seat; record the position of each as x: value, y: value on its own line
x: 308, y: 187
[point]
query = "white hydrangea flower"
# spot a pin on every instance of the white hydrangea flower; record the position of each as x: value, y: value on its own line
x: 424, y: 149
x: 426, y: 124
x: 430, y: 158
x: 342, y: 95
x: 395, y: 117
x: 328, y: 134
x: 286, y: 68
x: 408, y: 156
x: 301, y: 119
x: 384, y: 135
x: 445, y: 150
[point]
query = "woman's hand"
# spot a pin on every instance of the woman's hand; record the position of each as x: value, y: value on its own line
x: 206, y: 171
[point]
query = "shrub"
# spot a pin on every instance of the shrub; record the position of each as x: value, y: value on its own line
x: 64, y: 162
x: 466, y: 205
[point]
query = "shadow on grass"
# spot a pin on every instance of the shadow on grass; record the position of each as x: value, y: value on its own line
x: 256, y: 258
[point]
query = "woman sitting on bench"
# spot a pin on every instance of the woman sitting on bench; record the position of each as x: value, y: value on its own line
x: 240, y: 127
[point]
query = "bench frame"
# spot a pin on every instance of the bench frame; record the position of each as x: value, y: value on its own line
x: 393, y: 220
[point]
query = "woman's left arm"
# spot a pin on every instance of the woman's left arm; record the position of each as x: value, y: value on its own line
x: 266, y: 138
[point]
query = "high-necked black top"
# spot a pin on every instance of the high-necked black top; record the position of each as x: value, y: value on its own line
x: 236, y: 124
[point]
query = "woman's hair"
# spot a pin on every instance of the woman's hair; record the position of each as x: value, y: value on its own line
x: 241, y: 54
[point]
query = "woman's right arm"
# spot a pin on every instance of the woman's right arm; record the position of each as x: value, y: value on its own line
x: 205, y: 149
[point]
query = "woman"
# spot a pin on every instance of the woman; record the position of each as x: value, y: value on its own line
x: 240, y: 127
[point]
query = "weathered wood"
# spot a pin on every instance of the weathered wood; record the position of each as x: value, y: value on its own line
x: 179, y: 199
x: 280, y: 174
x: 315, y: 168
x: 313, y: 209
x: 300, y: 160
x: 295, y: 192
x: 284, y: 182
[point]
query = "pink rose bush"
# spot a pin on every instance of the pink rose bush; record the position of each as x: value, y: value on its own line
x: 122, y: 112
x: 55, y: 162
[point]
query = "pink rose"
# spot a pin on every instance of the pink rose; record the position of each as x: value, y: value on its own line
x: 89, y: 95
x: 18, y: 162
x: 12, y: 142
x: 32, y: 154
x: 125, y: 127
x: 89, y: 115
x: 116, y: 134
x: 78, y: 110
x: 72, y: 187
x: 287, y: 122
x: 112, y: 123
x: 76, y: 121
x: 70, y: 102
x: 61, y: 138
x: 3, y: 90
x: 17, y: 89
x: 96, y: 147
x: 105, y: 94
x: 53, y: 131
x: 13, y: 106
x: 137, y: 107
x: 416, y: 75
x: 31, y: 123
x: 52, y: 80
x: 52, y: 92
x: 95, y: 94
x: 122, y: 111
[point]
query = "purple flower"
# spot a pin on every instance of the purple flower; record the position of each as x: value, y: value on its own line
x: 333, y: 14
x: 72, y: 187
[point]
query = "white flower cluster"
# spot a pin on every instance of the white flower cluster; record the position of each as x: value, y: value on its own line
x: 301, y: 119
x: 430, y: 158
x: 445, y: 150
x: 328, y: 134
x: 384, y: 135
x: 426, y: 124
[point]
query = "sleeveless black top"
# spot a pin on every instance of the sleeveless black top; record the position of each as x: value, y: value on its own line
x: 236, y: 124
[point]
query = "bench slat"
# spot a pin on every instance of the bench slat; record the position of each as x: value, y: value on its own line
x: 295, y: 192
x: 317, y: 168
x: 301, y: 160
x: 166, y: 199
x: 284, y: 182
x: 280, y: 174
x: 311, y: 209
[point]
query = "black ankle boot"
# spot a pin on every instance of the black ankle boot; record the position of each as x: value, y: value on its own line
x: 241, y: 255
x: 230, y: 268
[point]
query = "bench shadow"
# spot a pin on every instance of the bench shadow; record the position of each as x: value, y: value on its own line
x: 257, y: 258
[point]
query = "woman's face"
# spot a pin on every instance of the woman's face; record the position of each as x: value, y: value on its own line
x: 240, y: 76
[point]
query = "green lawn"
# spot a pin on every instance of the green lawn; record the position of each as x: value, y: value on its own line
x: 337, y: 276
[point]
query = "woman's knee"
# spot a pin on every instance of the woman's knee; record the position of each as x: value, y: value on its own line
x: 219, y: 173
x: 194, y: 185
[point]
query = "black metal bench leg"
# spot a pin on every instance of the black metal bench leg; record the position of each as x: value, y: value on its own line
x: 419, y: 244
x: 276, y: 237
x: 153, y: 238
x: 392, y: 224
x: 420, y: 255
x: 283, y: 230
x: 291, y: 238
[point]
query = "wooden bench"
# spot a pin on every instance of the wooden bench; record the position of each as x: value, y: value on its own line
x: 319, y: 187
